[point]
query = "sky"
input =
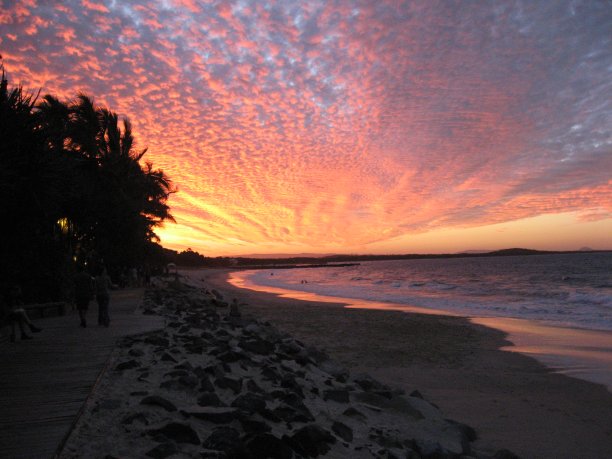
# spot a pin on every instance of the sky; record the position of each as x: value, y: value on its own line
x: 348, y: 126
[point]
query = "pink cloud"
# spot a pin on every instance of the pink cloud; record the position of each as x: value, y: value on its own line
x: 336, y: 125
x: 90, y: 5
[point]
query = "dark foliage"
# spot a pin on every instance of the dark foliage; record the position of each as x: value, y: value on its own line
x: 74, y: 191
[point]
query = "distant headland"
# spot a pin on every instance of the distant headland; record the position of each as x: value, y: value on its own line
x: 191, y: 258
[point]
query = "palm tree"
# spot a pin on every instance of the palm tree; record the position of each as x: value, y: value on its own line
x: 72, y: 181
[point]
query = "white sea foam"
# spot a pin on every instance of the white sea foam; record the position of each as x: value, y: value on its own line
x: 570, y: 290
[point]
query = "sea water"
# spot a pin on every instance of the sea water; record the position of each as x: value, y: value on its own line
x: 556, y: 308
x: 569, y: 290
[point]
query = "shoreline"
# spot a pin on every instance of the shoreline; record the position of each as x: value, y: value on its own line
x: 580, y: 352
x: 458, y: 364
x: 217, y: 383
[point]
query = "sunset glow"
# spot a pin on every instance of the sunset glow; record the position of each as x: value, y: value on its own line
x: 345, y: 127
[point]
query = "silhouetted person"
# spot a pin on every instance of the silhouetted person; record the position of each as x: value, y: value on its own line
x: 16, y: 314
x: 83, y: 293
x: 147, y: 276
x: 103, y: 285
x: 133, y: 277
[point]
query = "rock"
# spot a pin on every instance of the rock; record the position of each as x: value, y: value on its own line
x: 316, y: 355
x: 189, y: 381
x: 184, y: 366
x: 252, y: 386
x: 292, y: 399
x: 388, y: 441
x: 230, y: 356
x: 266, y: 445
x: 235, y: 385
x: 424, y: 408
x: 335, y: 370
x: 252, y: 329
x: 194, y: 348
x: 429, y: 448
x: 176, y: 373
x: 216, y: 415
x: 136, y: 352
x: 156, y: 400
x: 251, y: 426
x: 157, y: 341
x: 505, y: 454
x: 131, y: 418
x: 127, y: 365
x: 343, y: 431
x: 210, y: 399
x: 291, y: 414
x: 109, y: 404
x: 337, y: 395
x: 178, y: 432
x: 271, y: 375
x: 182, y: 383
x: 289, y: 382
x: 311, y: 441
x: 290, y: 347
x: 167, y: 358
x: 469, y: 433
x: 222, y: 439
x: 257, y: 346
x: 250, y: 403
x: 384, y: 393
x: 354, y: 413
x: 205, y: 384
x: 367, y: 383
x: 162, y: 450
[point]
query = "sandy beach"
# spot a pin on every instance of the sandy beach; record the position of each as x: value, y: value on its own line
x: 217, y: 383
x: 511, y: 400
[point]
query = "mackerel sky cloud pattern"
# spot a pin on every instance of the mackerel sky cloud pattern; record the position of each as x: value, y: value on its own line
x: 334, y: 125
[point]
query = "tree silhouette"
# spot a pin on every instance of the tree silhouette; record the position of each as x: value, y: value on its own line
x: 74, y: 188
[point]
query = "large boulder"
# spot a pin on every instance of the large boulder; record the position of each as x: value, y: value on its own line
x: 250, y: 403
x: 177, y: 432
x: 311, y: 441
x: 266, y: 445
x: 222, y: 439
x: 162, y: 451
x: 216, y: 415
x: 156, y: 400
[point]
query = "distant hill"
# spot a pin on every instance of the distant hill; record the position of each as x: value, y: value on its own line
x: 518, y: 251
x: 286, y: 255
x: 191, y: 258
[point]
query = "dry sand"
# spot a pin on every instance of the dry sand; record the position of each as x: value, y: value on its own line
x: 511, y: 400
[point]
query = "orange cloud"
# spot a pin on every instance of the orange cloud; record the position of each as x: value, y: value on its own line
x: 339, y: 127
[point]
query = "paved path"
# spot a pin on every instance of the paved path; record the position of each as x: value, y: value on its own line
x: 44, y: 382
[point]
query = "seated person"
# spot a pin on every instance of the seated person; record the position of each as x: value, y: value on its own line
x: 15, y: 314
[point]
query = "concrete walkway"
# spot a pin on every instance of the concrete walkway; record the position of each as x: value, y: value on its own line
x: 44, y: 382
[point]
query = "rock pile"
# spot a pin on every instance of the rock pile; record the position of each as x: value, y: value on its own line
x: 208, y: 386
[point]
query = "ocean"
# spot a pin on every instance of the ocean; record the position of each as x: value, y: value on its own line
x: 555, y: 308
x: 569, y: 290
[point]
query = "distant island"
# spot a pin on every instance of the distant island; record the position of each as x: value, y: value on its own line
x: 191, y: 258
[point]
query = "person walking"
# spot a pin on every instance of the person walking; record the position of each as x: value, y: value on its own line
x: 103, y: 285
x: 83, y: 293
